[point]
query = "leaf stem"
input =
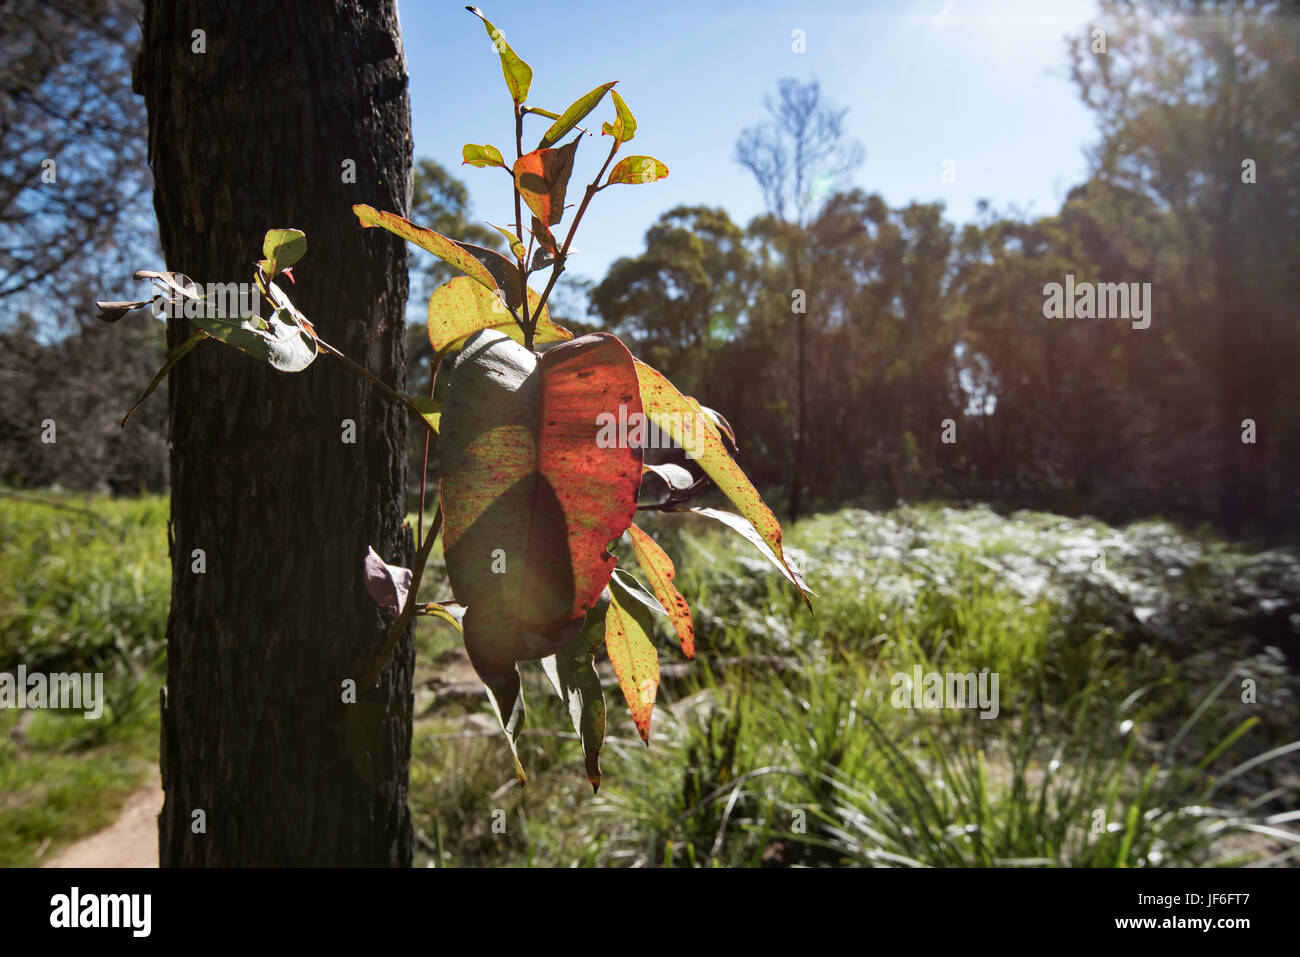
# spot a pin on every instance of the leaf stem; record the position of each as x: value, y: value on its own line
x: 527, y: 326
x: 362, y: 370
x: 562, y: 254
x: 424, y: 467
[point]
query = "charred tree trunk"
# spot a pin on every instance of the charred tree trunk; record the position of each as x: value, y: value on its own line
x: 258, y: 131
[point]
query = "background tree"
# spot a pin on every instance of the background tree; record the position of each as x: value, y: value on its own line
x: 796, y: 157
x: 1198, y: 116
x: 682, y: 298
x: 74, y: 212
x: 73, y: 180
x: 253, y: 133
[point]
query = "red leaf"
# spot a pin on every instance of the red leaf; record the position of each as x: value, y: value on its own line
x: 531, y: 498
x: 542, y: 177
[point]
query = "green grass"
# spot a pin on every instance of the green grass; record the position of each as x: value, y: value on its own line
x: 79, y: 593
x: 1121, y: 739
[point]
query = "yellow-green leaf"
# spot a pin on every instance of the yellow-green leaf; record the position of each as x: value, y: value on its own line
x: 637, y: 169
x: 282, y: 248
x: 173, y: 357
x: 480, y: 156
x: 517, y: 248
x: 518, y: 74
x: 632, y: 653
x: 461, y: 307
x: 660, y: 572
x: 624, y: 126
x: 431, y: 412
x: 575, y: 114
x: 450, y: 612
x: 438, y: 244
x: 677, y: 416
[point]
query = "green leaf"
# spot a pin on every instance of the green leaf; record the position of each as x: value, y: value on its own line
x: 517, y: 248
x: 632, y: 170
x: 285, y: 340
x: 277, y: 340
x: 572, y: 673
x: 506, y: 695
x: 624, y: 126
x: 480, y: 156
x: 282, y: 248
x: 575, y: 114
x: 461, y: 307
x: 451, y: 612
x: 530, y: 499
x: 173, y: 357
x: 518, y: 74
x: 430, y: 409
x: 673, y: 413
x: 540, y: 112
x: 629, y: 629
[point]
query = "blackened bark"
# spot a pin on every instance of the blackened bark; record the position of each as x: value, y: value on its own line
x: 250, y: 135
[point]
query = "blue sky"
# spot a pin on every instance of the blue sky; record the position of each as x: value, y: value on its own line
x: 983, y: 83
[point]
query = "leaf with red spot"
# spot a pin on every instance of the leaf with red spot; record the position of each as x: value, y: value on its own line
x: 659, y: 570
x: 542, y: 177
x: 486, y: 266
x: 545, y: 237
x: 530, y: 499
x: 461, y: 307
x: 633, y: 170
x: 673, y: 413
x: 629, y: 630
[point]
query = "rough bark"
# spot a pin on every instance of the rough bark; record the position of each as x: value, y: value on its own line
x: 253, y: 134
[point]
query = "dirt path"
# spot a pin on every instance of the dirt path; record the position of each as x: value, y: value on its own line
x: 130, y: 841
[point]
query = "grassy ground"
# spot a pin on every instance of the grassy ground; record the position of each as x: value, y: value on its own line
x: 1142, y: 719
x: 79, y: 592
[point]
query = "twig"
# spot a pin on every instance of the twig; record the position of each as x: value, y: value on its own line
x: 424, y: 467
x: 49, y: 503
x: 363, y: 371
x: 562, y: 254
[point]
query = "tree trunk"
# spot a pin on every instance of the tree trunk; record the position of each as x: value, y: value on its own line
x: 801, y: 421
x: 256, y: 133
